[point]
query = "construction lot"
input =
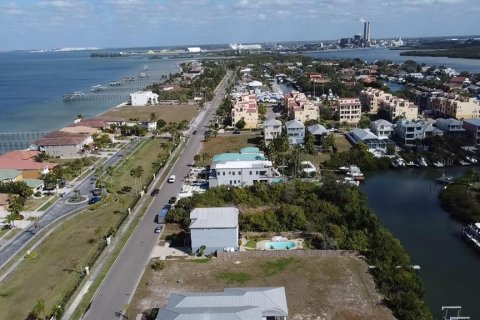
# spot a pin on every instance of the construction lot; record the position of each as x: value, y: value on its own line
x: 170, y: 113
x: 337, y: 288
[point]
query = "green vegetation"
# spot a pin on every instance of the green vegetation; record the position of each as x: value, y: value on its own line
x: 332, y: 216
x: 234, y: 277
x: 276, y: 266
x: 358, y: 155
x: 158, y: 265
x: 466, y: 53
x: 462, y: 198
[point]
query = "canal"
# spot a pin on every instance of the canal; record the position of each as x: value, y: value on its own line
x: 406, y: 201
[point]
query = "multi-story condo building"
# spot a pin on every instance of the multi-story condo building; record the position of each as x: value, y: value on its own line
x: 272, y: 128
x: 382, y: 128
x: 398, y: 107
x: 300, y: 108
x: 246, y: 168
x: 458, y: 108
x: 372, y: 98
x: 246, y: 108
x: 349, y: 110
x: 407, y: 131
x: 295, y: 132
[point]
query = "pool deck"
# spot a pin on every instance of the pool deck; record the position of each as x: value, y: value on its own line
x: 261, y: 245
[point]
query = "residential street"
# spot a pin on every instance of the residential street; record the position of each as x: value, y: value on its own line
x: 59, y: 209
x: 120, y: 283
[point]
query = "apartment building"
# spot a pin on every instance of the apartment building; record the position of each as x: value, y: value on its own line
x: 458, y: 108
x: 349, y: 110
x: 245, y: 107
x: 398, y: 107
x: 300, y: 108
x: 372, y: 98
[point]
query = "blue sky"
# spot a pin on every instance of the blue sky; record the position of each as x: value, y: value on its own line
x: 44, y: 24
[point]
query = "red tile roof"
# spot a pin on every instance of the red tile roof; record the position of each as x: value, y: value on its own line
x: 58, y: 138
x: 6, y: 163
x: 19, y: 154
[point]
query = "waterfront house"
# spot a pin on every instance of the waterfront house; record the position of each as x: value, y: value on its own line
x: 358, y: 135
x: 215, y: 229
x: 142, y: 98
x: 400, y: 108
x: 272, y: 128
x: 318, y: 131
x: 371, y: 99
x: 451, y: 127
x: 300, y: 108
x: 245, y: 107
x: 295, y: 132
x: 349, y: 110
x: 63, y: 144
x: 267, y: 303
x: 382, y: 128
x: 246, y: 168
x: 472, y: 128
x: 408, y: 131
x: 24, y: 161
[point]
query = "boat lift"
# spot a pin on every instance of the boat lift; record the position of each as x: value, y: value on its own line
x: 455, y: 311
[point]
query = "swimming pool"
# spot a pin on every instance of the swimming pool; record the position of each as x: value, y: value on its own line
x: 280, y: 245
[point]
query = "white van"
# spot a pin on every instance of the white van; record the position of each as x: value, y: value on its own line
x: 171, y: 179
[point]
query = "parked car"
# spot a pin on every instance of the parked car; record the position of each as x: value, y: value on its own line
x: 158, y: 229
x: 172, y: 200
x: 155, y: 192
x: 96, y: 192
x: 236, y: 132
x: 194, y: 132
x: 94, y: 200
x: 171, y: 179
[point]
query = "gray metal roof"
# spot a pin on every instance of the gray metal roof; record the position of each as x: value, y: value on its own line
x: 223, y: 217
x: 232, y: 303
x: 475, y: 122
x: 317, y: 129
x: 450, y: 121
x: 362, y: 134
x: 272, y: 122
x: 294, y: 124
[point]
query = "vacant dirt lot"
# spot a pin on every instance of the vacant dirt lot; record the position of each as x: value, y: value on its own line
x: 175, y: 113
x: 337, y: 288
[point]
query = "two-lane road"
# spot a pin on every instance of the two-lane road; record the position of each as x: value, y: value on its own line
x: 120, y: 283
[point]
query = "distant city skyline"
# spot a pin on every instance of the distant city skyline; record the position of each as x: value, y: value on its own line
x: 46, y: 24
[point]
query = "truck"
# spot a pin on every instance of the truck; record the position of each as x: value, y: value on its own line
x: 160, y: 218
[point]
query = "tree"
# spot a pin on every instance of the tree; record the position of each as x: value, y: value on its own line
x: 136, y: 173
x: 41, y: 157
x: 160, y: 124
x: 309, y: 142
x: 240, y: 124
x: 15, y: 205
x: 38, y: 309
x: 364, y: 122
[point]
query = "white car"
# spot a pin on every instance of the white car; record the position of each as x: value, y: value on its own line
x: 171, y: 179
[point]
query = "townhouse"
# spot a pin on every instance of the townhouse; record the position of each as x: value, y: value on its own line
x: 245, y: 107
x: 300, y: 108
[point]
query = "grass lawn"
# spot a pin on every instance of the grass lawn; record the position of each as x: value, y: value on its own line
x: 222, y: 144
x: 174, y: 113
x: 337, y: 288
x: 31, y: 204
x: 54, y: 271
x: 342, y: 145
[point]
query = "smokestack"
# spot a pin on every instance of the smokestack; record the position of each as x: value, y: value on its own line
x: 364, y: 33
x: 368, y: 32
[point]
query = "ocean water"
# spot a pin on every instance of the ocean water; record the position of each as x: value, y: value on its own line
x: 372, y: 54
x: 32, y: 86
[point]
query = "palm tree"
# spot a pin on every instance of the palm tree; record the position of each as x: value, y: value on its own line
x: 15, y: 205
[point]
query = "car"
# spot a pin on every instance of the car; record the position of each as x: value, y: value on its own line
x: 94, y: 200
x: 236, y: 132
x: 194, y: 132
x: 155, y: 192
x: 171, y: 179
x: 172, y: 200
x: 96, y: 192
x: 158, y: 229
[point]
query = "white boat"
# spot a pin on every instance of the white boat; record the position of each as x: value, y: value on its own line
x: 438, y: 164
x: 98, y: 88
x: 464, y: 163
x: 142, y: 75
x: 471, y: 232
x: 422, y: 162
x: 73, y: 96
x: 115, y: 84
x: 472, y: 160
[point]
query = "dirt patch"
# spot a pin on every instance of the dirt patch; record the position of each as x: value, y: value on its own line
x: 174, y: 113
x: 336, y: 288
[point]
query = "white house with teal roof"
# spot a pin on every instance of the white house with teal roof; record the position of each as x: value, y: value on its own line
x: 245, y: 168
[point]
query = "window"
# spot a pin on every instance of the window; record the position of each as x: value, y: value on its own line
x: 250, y: 172
x: 230, y: 182
x: 223, y: 172
x: 233, y: 173
x: 239, y: 173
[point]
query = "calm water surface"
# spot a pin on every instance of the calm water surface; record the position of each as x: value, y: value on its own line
x: 406, y: 201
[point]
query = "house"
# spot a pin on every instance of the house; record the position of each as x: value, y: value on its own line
x: 382, y: 128
x: 245, y: 107
x: 457, y: 107
x: 10, y: 175
x: 401, y: 108
x: 63, y: 144
x: 300, y: 108
x: 472, y: 127
x: 272, y: 128
x: 24, y: 161
x: 4, y: 197
x: 268, y: 303
x: 372, y: 98
x: 450, y: 126
x: 246, y: 168
x: 407, y: 131
x: 318, y: 131
x: 295, y: 132
x: 349, y: 110
x: 142, y: 98
x: 358, y: 135
x: 215, y: 229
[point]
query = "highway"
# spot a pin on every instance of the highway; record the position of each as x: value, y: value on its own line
x: 122, y: 280
x: 60, y: 209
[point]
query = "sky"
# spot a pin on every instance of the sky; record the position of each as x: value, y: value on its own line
x: 47, y: 24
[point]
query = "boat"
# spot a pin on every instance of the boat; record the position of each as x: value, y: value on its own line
x: 422, y: 162
x: 129, y: 79
x: 142, y: 75
x: 98, y: 88
x: 352, y: 181
x: 355, y: 173
x: 471, y: 233
x: 412, y: 164
x: 438, y: 164
x: 115, y: 84
x: 444, y: 179
x: 464, y: 163
x: 73, y: 96
x: 472, y: 160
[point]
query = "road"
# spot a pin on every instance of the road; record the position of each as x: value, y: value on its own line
x: 121, y: 282
x: 59, y: 209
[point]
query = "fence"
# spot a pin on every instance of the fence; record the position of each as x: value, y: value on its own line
x: 284, y: 254
x: 18, y: 140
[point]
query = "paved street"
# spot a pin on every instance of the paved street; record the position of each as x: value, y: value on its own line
x: 59, y: 209
x: 119, y: 285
